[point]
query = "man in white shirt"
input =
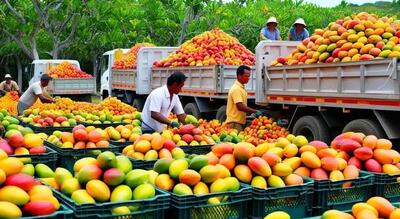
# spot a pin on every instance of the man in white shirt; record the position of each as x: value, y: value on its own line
x: 9, y: 85
x: 36, y: 90
x: 161, y: 102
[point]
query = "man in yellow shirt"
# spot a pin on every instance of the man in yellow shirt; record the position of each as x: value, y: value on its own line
x: 237, y: 108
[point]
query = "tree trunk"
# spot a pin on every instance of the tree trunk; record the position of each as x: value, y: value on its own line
x: 35, y: 53
x: 96, y: 69
x: 185, y: 23
x: 19, y: 71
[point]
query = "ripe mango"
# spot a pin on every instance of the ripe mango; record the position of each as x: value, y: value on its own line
x: 69, y: 186
x: 201, y: 188
x: 164, y: 181
x: 177, y: 166
x: 113, y: 177
x: 218, y: 185
x: 259, y: 166
x: 209, y: 173
x: 123, y: 163
x: 293, y: 179
x: 98, y: 190
x: 9, y: 210
x: 310, y: 159
x: 189, y: 177
x: 259, y: 182
x: 293, y: 162
x: 37, y: 208
x: 79, y: 164
x: 336, y: 175
x: 81, y: 197
x: 88, y: 173
x: 106, y: 160
x: 162, y: 165
x: 121, y: 210
x: 277, y: 215
x: 14, y: 195
x: 144, y: 191
x: 243, y: 152
x: 11, y: 165
x: 61, y: 174
x: 232, y: 183
x: 282, y: 169
x: 28, y: 169
x: 333, y: 214
x: 275, y: 181
x: 243, y: 173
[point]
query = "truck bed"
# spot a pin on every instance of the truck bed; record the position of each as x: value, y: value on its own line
x: 124, y: 79
x: 61, y: 86
x: 204, y: 81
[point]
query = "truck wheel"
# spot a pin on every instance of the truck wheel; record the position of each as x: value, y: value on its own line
x: 366, y: 126
x: 192, y: 109
x: 313, y: 128
x: 221, y: 114
x: 138, y: 104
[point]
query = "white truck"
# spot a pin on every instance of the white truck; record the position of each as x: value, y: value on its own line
x: 75, y: 88
x: 322, y: 100
x: 205, y: 90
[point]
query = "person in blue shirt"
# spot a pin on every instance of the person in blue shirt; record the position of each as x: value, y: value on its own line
x: 298, y: 32
x: 270, y: 31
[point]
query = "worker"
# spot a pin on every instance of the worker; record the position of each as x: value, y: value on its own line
x: 9, y: 85
x: 237, y: 108
x: 298, y: 31
x: 270, y: 31
x: 161, y: 102
x: 35, y: 91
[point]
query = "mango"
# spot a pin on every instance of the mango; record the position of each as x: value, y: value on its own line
x: 243, y: 173
x: 390, y: 169
x: 351, y: 172
x: 177, y: 166
x: 200, y: 188
x: 28, y: 169
x: 319, y: 173
x: 221, y: 149
x: 123, y: 163
x: 11, y: 165
x: 9, y: 210
x: 271, y: 158
x: 88, y: 173
x: 336, y: 175
x: 98, y: 190
x: 384, y: 207
x: 61, y: 174
x: 259, y: 166
x: 361, y: 206
x: 79, y: 164
x: 275, y: 181
x: 82, y: 197
x: 182, y: 189
x: 152, y: 177
x: 282, y: 169
x: 189, y: 177
x: 293, y: 162
x: 277, y: 215
x: 178, y: 153
x: 113, y: 177
x: 164, y: 181
x: 293, y: 179
x: 259, y: 182
x: 300, y: 141
x: 144, y: 191
x: 106, y: 160
x: 14, y: 195
x: 332, y: 214
x: 223, y: 172
x: 69, y: 186
x: 329, y: 163
x: 232, y: 183
x: 162, y: 165
x: 136, y: 177
x: 198, y: 162
x: 243, y: 152
x: 40, y: 207
x: 121, y: 210
x: 209, y: 173
x: 23, y: 181
x: 310, y: 159
x: 218, y: 185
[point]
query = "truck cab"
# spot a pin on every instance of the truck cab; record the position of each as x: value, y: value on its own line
x: 106, y: 63
x: 42, y: 66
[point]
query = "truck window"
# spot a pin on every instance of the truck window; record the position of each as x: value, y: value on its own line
x: 104, y: 63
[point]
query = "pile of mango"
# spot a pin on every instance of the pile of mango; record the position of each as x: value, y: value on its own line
x: 9, y: 102
x: 20, y: 194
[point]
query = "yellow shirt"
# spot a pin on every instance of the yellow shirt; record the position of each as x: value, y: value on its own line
x: 237, y: 94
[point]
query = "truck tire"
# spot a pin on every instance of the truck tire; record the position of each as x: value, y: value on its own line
x: 138, y: 104
x: 366, y: 126
x: 313, y: 128
x: 192, y: 109
x: 221, y: 114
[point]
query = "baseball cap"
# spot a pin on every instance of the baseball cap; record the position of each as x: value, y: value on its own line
x: 7, y: 76
x: 46, y: 77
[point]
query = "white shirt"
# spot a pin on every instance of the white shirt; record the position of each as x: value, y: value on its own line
x: 159, y: 101
x: 29, y: 97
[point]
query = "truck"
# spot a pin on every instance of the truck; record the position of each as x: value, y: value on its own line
x: 205, y: 91
x: 75, y: 88
x: 322, y: 100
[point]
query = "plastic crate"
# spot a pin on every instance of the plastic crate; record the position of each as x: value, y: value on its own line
x: 140, y: 164
x: 343, y: 194
x: 149, y: 208
x: 49, y: 158
x: 121, y: 144
x: 294, y: 200
x: 48, y: 130
x: 387, y: 186
x: 68, y: 156
x: 199, y: 149
x: 102, y: 125
x: 62, y: 213
x: 196, y: 206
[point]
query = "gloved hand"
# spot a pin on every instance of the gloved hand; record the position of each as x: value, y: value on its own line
x: 174, y: 124
x: 257, y: 113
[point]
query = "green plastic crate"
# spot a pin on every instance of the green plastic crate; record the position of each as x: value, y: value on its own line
x: 196, y: 206
x: 199, y: 149
x: 121, y: 144
x: 294, y: 200
x: 102, y: 125
x: 387, y: 186
x: 141, y: 164
x: 48, y: 130
x: 153, y: 208
x: 333, y: 195
x: 62, y: 213
x: 49, y: 158
x: 68, y: 156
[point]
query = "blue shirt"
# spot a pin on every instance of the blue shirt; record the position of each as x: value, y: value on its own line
x: 298, y: 36
x: 271, y: 35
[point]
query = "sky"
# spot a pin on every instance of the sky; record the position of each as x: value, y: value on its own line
x: 333, y: 3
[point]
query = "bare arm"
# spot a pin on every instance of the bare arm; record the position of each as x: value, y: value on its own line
x: 160, y: 118
x: 45, y: 99
x: 181, y: 117
x: 244, y: 108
